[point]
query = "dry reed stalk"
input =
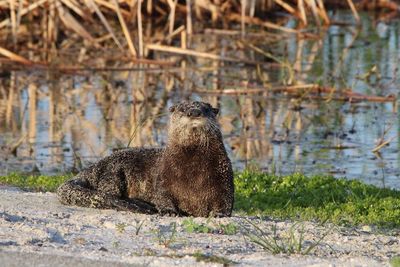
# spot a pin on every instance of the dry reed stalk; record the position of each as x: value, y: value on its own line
x: 32, y: 93
x: 13, y: 21
x: 172, y: 5
x: 276, y: 89
x: 160, y: 10
x: 252, y: 10
x: 13, y: 147
x: 313, y: 7
x: 183, y: 62
x: 207, y: 5
x: 51, y: 24
x: 271, y: 36
x: 176, y: 32
x: 92, y: 5
x: 24, y: 11
x: 188, y: 52
x: 243, y: 15
x: 11, y: 96
x: 302, y: 11
x: 149, y: 6
x: 323, y: 12
x: 14, y: 57
x: 183, y: 40
x: 354, y: 10
x: 286, y: 6
x: 125, y: 30
x: 70, y: 22
x: 269, y: 55
x: 256, y: 21
x: 74, y: 6
x: 20, y: 6
x: 189, y: 26
x: 297, y: 65
x: 315, y: 89
x: 110, y: 5
x: 140, y: 28
x: 382, y: 144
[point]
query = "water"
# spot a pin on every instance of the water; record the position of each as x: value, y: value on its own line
x: 58, y: 122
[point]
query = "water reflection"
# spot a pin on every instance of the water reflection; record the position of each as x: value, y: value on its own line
x: 60, y: 122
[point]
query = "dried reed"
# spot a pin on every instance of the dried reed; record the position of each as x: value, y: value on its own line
x: 83, y: 16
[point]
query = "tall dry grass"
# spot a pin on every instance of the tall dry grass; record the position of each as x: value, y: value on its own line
x: 135, y: 27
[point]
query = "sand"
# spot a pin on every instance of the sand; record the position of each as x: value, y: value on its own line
x: 36, y: 230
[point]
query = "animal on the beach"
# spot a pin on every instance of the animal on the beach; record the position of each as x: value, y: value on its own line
x: 191, y: 176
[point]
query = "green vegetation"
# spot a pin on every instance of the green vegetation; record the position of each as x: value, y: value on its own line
x: 321, y: 198
x: 290, y: 242
x: 167, y: 236
x: 190, y: 226
x: 395, y: 262
x: 35, y: 182
x: 201, y: 257
x: 120, y: 227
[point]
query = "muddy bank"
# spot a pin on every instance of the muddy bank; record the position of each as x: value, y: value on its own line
x: 36, y: 229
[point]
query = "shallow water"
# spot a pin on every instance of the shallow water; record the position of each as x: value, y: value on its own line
x: 59, y: 122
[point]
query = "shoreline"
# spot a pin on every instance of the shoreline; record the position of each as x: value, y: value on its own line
x: 35, y: 226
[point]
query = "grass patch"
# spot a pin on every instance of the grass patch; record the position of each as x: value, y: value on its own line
x: 190, y: 226
x: 395, y: 261
x: 47, y: 183
x: 202, y: 257
x: 290, y: 242
x: 322, y: 198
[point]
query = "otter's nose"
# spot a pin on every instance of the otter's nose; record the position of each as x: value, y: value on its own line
x: 194, y: 113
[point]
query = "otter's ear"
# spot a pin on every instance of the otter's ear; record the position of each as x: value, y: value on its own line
x: 172, y: 108
x: 215, y: 111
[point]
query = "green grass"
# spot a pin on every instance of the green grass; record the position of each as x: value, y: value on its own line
x: 395, y: 261
x: 202, y: 257
x: 320, y: 198
x: 190, y: 226
x: 291, y: 242
x: 35, y: 182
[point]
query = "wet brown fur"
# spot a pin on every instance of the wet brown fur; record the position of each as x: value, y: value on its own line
x: 192, y: 175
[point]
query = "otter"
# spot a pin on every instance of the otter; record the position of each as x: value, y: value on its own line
x: 191, y: 176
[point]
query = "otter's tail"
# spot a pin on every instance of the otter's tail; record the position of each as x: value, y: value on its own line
x: 77, y: 192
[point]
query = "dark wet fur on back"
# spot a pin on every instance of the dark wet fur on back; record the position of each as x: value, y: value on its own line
x: 192, y: 175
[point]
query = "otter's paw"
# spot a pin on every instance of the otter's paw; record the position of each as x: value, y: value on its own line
x: 168, y: 212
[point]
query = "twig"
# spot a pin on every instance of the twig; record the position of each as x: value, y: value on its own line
x: 379, y: 146
x: 14, y: 57
x: 70, y: 22
x: 24, y: 11
x: 256, y: 21
x: 243, y: 15
x: 110, y: 5
x: 316, y: 90
x: 354, y: 10
x: 125, y: 29
x: 189, y: 26
x: 188, y: 52
x: 300, y: 5
x: 140, y: 28
x: 286, y: 6
x: 92, y: 4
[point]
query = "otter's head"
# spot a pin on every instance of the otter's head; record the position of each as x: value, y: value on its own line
x: 193, y: 123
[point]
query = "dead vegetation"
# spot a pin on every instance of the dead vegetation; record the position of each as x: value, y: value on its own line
x: 35, y: 33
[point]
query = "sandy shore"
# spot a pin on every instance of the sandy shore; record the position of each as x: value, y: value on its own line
x: 36, y: 230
